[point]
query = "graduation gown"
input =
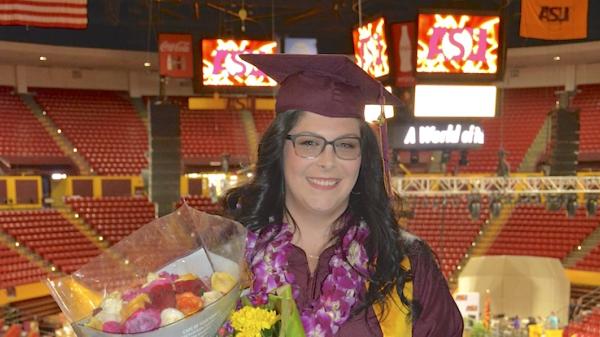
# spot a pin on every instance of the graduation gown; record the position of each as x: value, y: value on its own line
x: 439, y: 316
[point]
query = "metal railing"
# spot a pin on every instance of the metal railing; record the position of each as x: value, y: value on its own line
x: 519, y: 185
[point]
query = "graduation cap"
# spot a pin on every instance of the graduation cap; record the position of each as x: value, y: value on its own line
x: 329, y: 85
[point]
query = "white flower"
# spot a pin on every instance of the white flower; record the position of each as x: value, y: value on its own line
x: 112, y: 304
x: 211, y: 296
x: 354, y: 253
x: 170, y: 315
x: 317, y: 332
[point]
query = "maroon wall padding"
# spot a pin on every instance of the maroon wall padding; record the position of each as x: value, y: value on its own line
x: 84, y: 188
x: 3, y: 192
x: 27, y: 191
x: 116, y: 187
x: 195, y: 186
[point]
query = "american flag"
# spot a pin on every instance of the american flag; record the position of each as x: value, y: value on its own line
x: 44, y: 13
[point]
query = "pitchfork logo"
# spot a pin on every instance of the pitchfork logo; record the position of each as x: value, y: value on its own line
x: 458, y: 44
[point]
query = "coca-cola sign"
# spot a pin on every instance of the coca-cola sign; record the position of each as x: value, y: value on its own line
x: 403, y: 53
x: 176, y: 56
x: 167, y: 46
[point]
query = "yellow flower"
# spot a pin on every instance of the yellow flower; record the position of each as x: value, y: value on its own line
x: 250, y: 321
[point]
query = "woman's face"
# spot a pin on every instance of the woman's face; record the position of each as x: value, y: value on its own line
x: 320, y: 185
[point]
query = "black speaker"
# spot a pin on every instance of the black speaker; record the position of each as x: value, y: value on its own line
x: 565, y: 142
x: 164, y: 120
x: 165, y: 156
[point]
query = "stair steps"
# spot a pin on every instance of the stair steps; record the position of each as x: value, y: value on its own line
x: 251, y: 134
x: 63, y: 143
x: 83, y: 227
x: 587, y: 245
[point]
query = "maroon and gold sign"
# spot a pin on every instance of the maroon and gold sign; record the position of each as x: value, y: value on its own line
x: 458, y: 44
x: 370, y: 48
x: 175, y: 55
x: 222, y: 66
x: 554, y: 19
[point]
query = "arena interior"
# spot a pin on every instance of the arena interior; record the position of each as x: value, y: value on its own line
x: 100, y: 135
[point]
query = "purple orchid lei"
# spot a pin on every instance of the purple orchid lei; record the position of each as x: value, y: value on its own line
x: 340, y: 290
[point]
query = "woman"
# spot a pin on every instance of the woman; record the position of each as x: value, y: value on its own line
x: 319, y: 217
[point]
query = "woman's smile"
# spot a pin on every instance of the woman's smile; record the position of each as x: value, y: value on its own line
x: 323, y: 183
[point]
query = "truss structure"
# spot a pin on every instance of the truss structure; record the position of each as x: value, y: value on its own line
x: 432, y: 186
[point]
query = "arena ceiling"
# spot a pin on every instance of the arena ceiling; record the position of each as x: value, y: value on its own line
x: 131, y: 25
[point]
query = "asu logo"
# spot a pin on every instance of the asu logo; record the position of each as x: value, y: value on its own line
x: 553, y: 14
x: 458, y: 44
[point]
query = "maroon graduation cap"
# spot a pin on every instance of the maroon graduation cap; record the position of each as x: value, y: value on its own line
x: 329, y: 85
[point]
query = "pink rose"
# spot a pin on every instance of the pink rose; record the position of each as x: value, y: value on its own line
x: 142, y: 320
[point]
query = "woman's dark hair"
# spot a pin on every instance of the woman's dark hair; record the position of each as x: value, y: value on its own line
x: 261, y: 202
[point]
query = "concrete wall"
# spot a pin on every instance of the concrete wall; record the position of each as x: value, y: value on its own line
x: 137, y: 83
x: 568, y: 75
x: 140, y: 83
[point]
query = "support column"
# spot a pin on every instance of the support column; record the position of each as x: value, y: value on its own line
x: 21, y: 79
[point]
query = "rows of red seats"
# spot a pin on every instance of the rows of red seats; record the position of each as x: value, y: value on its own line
x: 114, y: 217
x: 102, y: 125
x: 200, y: 203
x: 587, y: 100
x: 520, y: 118
x: 16, y: 269
x: 50, y: 235
x: 589, y: 326
x: 533, y: 230
x: 21, y: 134
x: 262, y: 119
x: 210, y: 134
x: 591, y: 261
x: 522, y: 115
x: 448, y: 228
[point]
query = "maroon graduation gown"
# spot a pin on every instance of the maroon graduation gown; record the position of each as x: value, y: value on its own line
x: 439, y: 316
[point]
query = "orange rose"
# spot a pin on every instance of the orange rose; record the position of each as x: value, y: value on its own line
x: 188, y: 303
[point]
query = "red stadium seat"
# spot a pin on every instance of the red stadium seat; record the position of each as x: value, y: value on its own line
x: 544, y: 233
x: 449, y: 232
x: 102, y: 125
x: 22, y: 136
x: 114, y: 217
x: 50, y: 235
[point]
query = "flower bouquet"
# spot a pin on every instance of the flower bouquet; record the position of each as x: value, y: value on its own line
x: 279, y: 317
x: 176, y: 276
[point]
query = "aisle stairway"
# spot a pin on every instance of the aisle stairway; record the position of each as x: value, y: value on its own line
x: 25, y: 254
x: 251, y: 134
x: 577, y: 256
x: 491, y: 230
x: 537, y: 148
x: 83, y: 227
x: 63, y: 143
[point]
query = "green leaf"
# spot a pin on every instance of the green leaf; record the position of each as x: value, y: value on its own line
x: 283, y: 302
x: 246, y: 302
x: 267, y: 333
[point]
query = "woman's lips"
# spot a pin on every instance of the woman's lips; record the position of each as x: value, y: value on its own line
x: 323, y: 183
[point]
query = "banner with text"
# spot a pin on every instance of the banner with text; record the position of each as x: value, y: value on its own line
x: 436, y: 136
x: 554, y: 19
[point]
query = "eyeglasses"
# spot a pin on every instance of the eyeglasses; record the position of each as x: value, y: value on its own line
x: 311, y: 146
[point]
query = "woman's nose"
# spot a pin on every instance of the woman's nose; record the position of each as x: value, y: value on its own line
x: 327, y: 158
